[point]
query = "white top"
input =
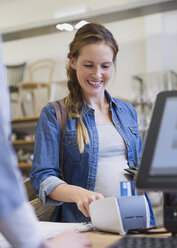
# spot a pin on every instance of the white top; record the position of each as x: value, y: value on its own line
x: 112, y: 160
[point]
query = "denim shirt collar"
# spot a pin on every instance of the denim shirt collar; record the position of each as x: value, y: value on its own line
x: 86, y: 108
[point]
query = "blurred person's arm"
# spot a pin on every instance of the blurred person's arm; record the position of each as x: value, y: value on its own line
x: 21, y: 230
x: 20, y: 227
x: 17, y: 220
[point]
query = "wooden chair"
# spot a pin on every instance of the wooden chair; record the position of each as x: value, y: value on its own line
x: 43, y: 212
x: 15, y: 74
x: 34, y: 89
x: 40, y: 69
x: 40, y: 77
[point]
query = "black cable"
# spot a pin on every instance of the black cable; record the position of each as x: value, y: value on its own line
x: 148, y: 231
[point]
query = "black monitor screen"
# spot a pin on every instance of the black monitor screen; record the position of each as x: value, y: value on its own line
x: 158, y: 168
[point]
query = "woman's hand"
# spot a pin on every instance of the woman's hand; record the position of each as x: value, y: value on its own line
x: 84, y: 197
x: 71, y: 193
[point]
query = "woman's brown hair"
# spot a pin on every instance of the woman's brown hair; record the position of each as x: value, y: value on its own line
x: 88, y: 34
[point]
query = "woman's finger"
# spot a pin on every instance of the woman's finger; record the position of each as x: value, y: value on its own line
x: 84, y: 209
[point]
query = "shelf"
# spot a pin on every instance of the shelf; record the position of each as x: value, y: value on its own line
x: 24, y: 165
x: 22, y: 142
x: 26, y: 125
x: 26, y: 145
x: 23, y: 130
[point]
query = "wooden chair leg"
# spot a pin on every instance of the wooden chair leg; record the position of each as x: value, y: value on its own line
x: 19, y: 110
x: 39, y: 88
x: 33, y: 101
x: 23, y: 109
x: 49, y: 92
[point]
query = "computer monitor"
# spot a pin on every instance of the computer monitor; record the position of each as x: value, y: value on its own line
x: 158, y: 167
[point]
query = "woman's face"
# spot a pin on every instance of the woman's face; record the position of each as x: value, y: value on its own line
x: 94, y: 68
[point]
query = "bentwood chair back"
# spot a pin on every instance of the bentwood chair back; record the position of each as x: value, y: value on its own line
x: 15, y: 74
x: 40, y: 77
x: 42, y: 68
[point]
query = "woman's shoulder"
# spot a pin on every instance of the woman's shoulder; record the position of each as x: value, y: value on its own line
x: 48, y: 113
x: 123, y: 102
x: 48, y: 108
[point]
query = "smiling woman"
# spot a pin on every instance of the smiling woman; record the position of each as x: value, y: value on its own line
x: 98, y: 143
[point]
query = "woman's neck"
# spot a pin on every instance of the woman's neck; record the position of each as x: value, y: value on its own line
x: 102, y: 110
x: 98, y: 101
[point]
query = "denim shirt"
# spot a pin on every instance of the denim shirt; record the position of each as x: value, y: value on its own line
x: 79, y: 169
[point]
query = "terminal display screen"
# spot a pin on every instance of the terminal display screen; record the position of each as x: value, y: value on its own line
x: 158, y: 167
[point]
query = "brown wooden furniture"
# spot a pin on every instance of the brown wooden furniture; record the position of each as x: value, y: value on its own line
x: 24, y: 128
x: 40, y: 77
x: 42, y: 68
x: 15, y: 74
x: 35, y: 91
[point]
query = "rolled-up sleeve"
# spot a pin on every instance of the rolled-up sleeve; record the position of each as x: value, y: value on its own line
x: 46, y: 187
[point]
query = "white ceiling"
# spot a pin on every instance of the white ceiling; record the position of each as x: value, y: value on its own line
x: 15, y: 13
x: 22, y: 15
x: 7, y: 1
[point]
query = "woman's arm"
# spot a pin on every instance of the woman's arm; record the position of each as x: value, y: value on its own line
x: 46, y: 152
x: 46, y: 171
x: 70, y: 193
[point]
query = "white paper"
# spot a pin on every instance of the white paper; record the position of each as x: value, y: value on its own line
x: 51, y: 229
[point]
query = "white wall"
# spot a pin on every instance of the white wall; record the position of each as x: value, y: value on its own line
x: 161, y: 41
x: 170, y: 40
x: 130, y: 35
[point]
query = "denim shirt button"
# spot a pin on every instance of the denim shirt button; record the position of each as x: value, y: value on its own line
x: 128, y: 143
x: 94, y: 149
x: 131, y: 162
x: 69, y: 142
x: 118, y: 126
